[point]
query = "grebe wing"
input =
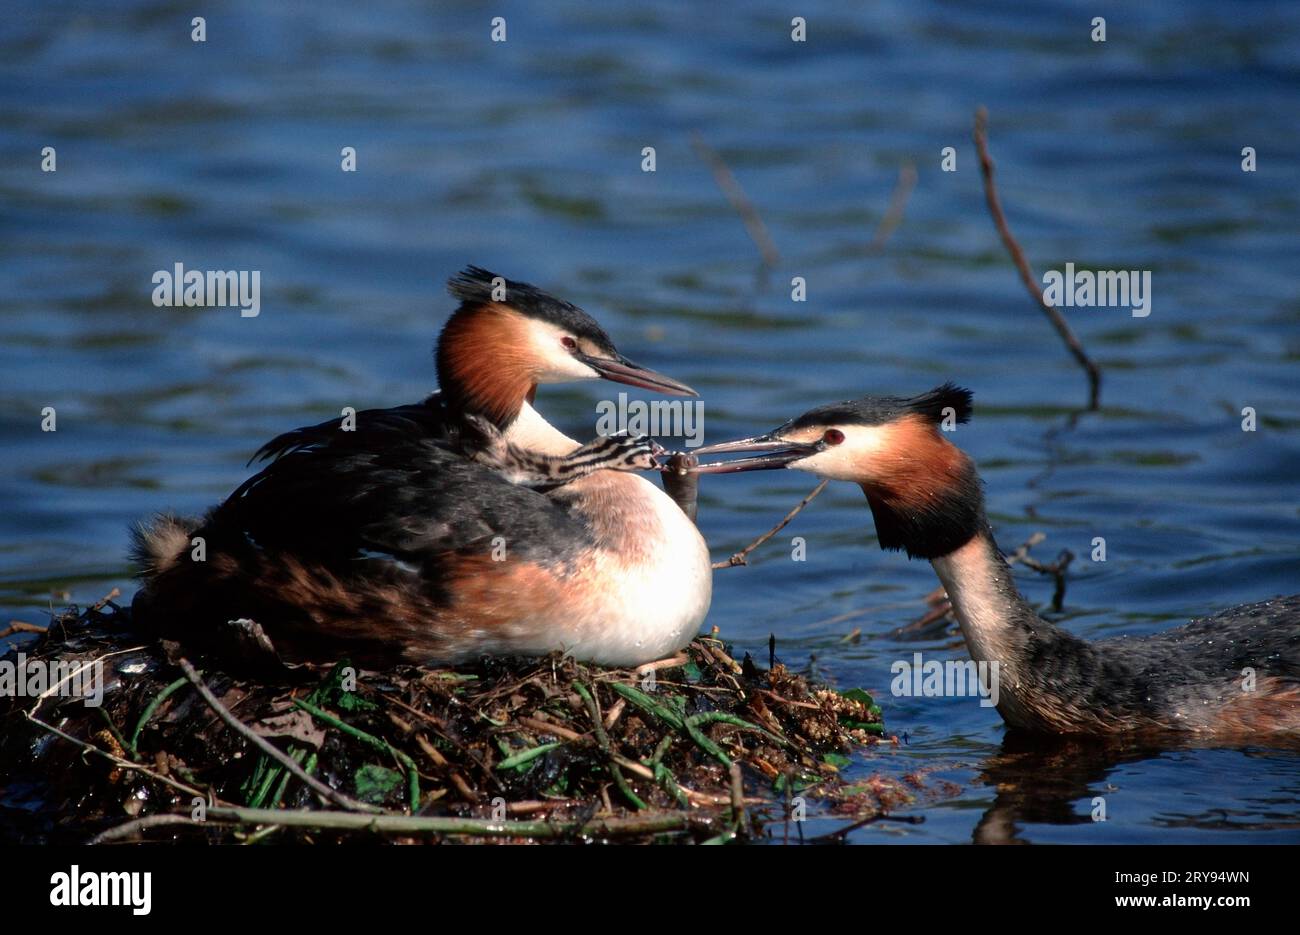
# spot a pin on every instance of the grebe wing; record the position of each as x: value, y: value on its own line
x: 425, y: 419
x: 1264, y: 636
x: 409, y: 498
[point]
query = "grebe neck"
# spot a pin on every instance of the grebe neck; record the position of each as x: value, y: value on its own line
x: 531, y: 432
x: 994, y: 617
x: 1048, y: 679
x: 938, y: 514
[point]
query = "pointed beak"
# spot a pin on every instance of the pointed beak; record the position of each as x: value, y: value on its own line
x: 621, y: 370
x: 779, y: 454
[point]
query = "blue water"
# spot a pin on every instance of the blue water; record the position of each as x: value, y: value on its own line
x: 525, y: 157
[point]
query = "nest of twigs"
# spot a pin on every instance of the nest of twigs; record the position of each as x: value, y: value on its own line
x: 702, y: 747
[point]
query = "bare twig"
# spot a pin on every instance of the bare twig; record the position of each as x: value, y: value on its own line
x: 1022, y: 553
x: 549, y: 727
x: 932, y: 616
x: 838, y: 836
x: 602, y: 741
x: 897, y: 205
x: 410, y: 824
x: 637, y: 769
x: 712, y: 647
x: 21, y: 626
x: 116, y: 760
x: 742, y: 557
x: 132, y: 828
x: 672, y: 662
x: 614, y: 713
x: 1057, y: 570
x: 106, y: 599
x: 633, y: 767
x: 863, y: 611
x: 739, y: 200
x: 739, y: 817
x: 270, y: 749
x: 88, y: 664
x: 1022, y: 264
x: 789, y: 701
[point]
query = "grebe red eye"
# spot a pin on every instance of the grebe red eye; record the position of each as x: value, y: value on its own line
x: 568, y: 343
x: 833, y: 437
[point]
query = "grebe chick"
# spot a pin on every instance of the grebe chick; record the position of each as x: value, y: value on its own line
x: 926, y: 499
x: 539, y: 471
x: 403, y: 541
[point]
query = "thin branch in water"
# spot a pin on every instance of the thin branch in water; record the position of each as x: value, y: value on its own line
x: 742, y: 557
x: 270, y: 749
x: 1022, y: 264
x: 106, y: 600
x: 863, y: 611
x: 920, y: 627
x: 941, y: 606
x: 897, y: 205
x: 1022, y: 553
x: 838, y: 836
x: 1057, y: 570
x: 739, y: 200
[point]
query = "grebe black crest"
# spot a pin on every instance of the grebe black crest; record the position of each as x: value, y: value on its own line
x: 1235, y: 674
x: 459, y: 526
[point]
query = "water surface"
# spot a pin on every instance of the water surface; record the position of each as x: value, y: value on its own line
x: 525, y: 157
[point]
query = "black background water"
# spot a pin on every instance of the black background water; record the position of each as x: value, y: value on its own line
x: 525, y: 157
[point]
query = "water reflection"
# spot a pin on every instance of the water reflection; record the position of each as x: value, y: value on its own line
x: 1066, y: 781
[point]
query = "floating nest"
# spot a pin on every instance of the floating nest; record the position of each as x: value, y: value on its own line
x: 699, y: 748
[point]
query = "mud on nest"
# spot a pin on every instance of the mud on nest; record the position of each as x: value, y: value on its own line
x: 701, y: 747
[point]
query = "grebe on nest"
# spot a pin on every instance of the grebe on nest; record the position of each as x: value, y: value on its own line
x: 926, y: 499
x: 460, y: 526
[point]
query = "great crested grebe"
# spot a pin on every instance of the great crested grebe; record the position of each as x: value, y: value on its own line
x: 926, y: 499
x: 461, y: 526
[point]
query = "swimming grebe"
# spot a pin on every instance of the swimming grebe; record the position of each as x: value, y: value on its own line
x: 926, y: 499
x: 410, y: 539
